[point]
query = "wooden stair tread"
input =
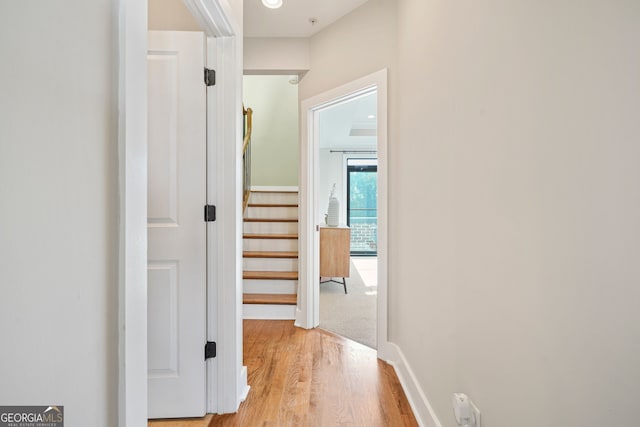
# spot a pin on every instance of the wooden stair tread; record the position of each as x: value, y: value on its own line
x: 270, y: 254
x: 270, y: 275
x: 273, y: 205
x: 270, y: 236
x: 274, y: 191
x: 279, y: 299
x: 271, y: 220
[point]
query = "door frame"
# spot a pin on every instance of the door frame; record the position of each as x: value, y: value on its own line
x: 226, y: 377
x: 308, y: 313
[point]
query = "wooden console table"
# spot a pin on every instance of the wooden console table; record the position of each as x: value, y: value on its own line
x: 335, y: 253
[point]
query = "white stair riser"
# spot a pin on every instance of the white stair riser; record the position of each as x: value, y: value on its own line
x: 272, y: 212
x: 271, y: 227
x: 290, y: 197
x: 270, y: 244
x: 271, y: 312
x: 270, y: 264
x: 254, y: 286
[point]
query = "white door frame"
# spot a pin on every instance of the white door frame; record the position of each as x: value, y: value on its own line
x: 308, y: 313
x: 226, y: 376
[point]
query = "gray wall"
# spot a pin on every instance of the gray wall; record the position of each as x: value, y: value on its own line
x: 513, y: 145
x: 58, y: 221
x: 330, y: 171
x: 361, y: 43
x: 171, y: 15
x: 523, y: 120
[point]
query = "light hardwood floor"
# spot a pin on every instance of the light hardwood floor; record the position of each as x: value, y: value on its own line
x: 311, y: 378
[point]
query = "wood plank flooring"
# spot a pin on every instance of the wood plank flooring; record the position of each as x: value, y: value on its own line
x: 188, y: 422
x: 313, y: 378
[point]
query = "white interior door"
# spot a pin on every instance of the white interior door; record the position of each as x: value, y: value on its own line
x: 176, y: 227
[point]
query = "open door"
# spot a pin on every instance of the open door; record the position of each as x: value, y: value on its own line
x: 176, y: 228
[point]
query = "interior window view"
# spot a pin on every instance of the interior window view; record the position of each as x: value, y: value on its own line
x: 319, y: 213
x: 347, y: 141
x: 362, y: 210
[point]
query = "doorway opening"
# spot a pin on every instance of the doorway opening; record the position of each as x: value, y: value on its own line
x: 348, y: 168
x: 315, y: 189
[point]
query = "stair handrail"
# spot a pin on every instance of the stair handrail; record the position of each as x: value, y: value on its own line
x: 248, y: 125
x: 247, y: 114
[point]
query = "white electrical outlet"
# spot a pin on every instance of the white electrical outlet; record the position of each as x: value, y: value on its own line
x: 465, y: 411
x: 476, y: 413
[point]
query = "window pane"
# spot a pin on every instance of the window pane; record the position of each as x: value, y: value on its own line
x: 362, y: 213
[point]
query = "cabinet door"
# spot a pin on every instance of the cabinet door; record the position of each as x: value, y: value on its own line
x: 334, y: 252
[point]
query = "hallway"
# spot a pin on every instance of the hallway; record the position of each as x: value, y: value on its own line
x: 312, y: 378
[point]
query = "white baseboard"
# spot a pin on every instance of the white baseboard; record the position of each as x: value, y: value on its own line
x: 302, y: 321
x: 274, y: 188
x: 422, y: 409
x: 243, y: 385
x: 268, y: 312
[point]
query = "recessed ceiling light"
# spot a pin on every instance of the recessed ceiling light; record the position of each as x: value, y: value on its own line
x: 272, y: 4
x: 371, y: 116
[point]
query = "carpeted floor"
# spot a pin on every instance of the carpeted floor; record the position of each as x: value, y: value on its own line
x: 352, y: 315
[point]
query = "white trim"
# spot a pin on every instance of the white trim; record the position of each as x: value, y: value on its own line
x: 269, y: 311
x: 226, y: 384
x: 275, y: 188
x: 422, y: 409
x: 213, y: 16
x: 307, y: 217
x: 242, y: 384
x: 307, y: 315
x: 383, y: 214
x: 132, y: 183
x: 216, y: 18
x: 215, y: 132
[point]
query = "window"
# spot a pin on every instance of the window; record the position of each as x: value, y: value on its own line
x: 362, y: 205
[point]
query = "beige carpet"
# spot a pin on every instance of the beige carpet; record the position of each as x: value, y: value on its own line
x: 352, y: 315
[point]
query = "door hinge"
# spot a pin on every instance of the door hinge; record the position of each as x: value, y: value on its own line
x: 209, y: 77
x: 209, y: 213
x: 209, y: 350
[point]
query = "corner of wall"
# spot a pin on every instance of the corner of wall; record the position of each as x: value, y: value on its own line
x: 422, y: 409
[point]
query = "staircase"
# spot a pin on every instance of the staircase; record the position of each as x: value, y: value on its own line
x: 270, y: 256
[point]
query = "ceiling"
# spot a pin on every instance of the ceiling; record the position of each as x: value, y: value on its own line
x: 345, y: 126
x: 350, y: 125
x: 293, y: 18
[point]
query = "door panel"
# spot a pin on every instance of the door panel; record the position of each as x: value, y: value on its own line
x: 163, y: 319
x: 176, y: 227
x: 163, y: 138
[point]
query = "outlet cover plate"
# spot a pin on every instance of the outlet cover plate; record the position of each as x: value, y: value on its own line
x: 476, y: 413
